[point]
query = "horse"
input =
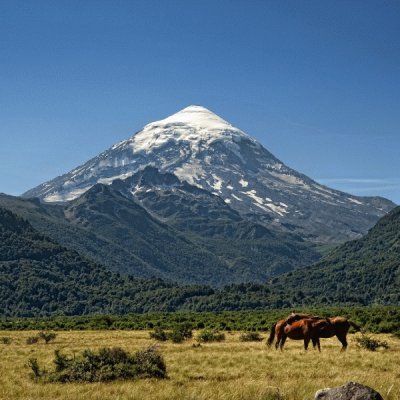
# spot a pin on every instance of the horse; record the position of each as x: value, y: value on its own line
x: 304, y: 329
x: 314, y: 329
x: 279, y: 326
x: 321, y: 328
x: 337, y: 326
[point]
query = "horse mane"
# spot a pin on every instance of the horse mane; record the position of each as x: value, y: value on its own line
x: 292, y: 317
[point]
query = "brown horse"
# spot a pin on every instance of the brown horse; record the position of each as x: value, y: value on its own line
x: 278, y: 328
x: 304, y: 329
x: 316, y: 329
x: 312, y: 329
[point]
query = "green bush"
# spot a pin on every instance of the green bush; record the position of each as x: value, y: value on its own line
x: 159, y: 334
x: 177, y: 335
x: 185, y: 330
x: 368, y: 343
x: 208, y: 335
x: 34, y: 366
x: 47, y: 336
x: 150, y: 364
x: 180, y: 333
x: 250, y: 337
x: 5, y: 340
x: 106, y: 365
x: 32, y: 339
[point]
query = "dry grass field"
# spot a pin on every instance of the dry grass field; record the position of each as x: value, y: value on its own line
x: 230, y: 370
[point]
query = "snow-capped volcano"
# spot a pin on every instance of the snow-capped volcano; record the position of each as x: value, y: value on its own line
x: 203, y: 149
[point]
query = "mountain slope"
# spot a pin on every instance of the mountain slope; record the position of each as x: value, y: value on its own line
x: 251, y: 250
x: 363, y: 271
x: 187, y: 235
x: 118, y: 233
x: 39, y: 277
x: 204, y: 150
x: 169, y: 254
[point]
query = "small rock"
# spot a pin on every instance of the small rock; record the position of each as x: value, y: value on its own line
x: 349, y: 391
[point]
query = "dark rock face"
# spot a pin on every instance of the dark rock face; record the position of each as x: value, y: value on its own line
x: 349, y: 391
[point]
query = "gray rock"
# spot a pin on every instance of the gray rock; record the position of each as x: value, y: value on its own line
x: 349, y: 391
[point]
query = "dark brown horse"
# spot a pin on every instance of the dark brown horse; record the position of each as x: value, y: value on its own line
x: 337, y: 326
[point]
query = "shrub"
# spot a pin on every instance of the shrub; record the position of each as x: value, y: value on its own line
x: 34, y: 366
x: 159, y: 334
x: 47, y: 336
x: 5, y: 340
x: 106, y: 365
x: 150, y: 363
x: 208, y: 335
x: 250, y: 337
x: 185, y: 330
x: 176, y: 336
x: 180, y: 333
x: 32, y: 339
x: 368, y: 343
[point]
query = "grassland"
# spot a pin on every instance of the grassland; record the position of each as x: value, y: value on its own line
x: 228, y: 370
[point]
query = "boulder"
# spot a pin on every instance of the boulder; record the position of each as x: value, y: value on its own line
x: 349, y: 391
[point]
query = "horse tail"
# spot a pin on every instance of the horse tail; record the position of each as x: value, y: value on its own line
x: 271, y: 335
x: 355, y: 326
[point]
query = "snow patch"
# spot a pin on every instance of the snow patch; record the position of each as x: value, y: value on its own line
x: 190, y: 172
x: 244, y: 183
x: 217, y: 182
x: 292, y: 180
x: 62, y: 197
x: 276, y: 208
x: 108, y: 181
x: 237, y: 198
x: 253, y: 194
x: 354, y: 201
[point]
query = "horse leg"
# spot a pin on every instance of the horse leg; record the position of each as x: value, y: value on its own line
x: 283, y: 340
x: 315, y: 343
x: 306, y: 342
x: 278, y: 340
x: 342, y: 339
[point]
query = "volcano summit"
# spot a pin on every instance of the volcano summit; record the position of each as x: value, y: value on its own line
x: 201, y: 148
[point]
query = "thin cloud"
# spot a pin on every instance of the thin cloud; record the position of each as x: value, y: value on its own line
x: 366, y: 181
x: 363, y: 186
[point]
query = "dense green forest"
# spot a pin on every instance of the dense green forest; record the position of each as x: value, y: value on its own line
x: 38, y: 277
x: 370, y: 319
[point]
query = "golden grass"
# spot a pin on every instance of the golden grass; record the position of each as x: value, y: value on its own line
x: 229, y: 370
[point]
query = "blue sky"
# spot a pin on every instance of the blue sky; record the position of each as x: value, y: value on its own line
x: 316, y: 82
